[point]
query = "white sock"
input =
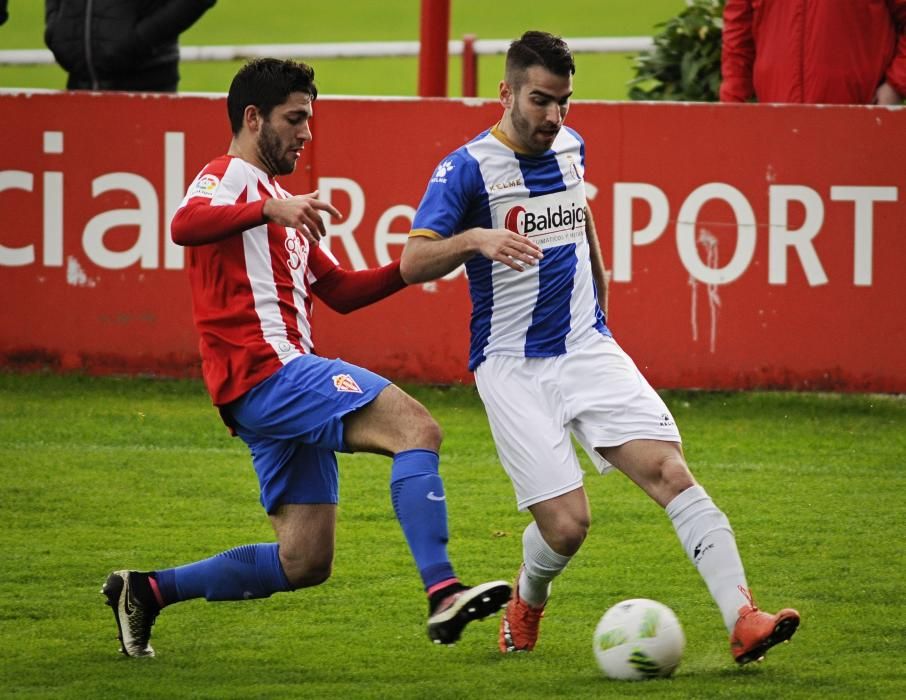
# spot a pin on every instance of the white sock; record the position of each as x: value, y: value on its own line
x: 708, y: 539
x: 541, y: 565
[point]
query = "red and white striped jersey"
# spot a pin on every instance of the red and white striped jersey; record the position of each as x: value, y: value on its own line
x: 251, y: 289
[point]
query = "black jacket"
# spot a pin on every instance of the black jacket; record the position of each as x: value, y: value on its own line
x: 120, y: 44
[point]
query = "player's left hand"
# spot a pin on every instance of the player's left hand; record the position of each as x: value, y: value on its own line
x: 512, y: 249
x: 301, y: 212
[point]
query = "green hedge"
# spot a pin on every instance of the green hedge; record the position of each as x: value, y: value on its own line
x: 684, y: 64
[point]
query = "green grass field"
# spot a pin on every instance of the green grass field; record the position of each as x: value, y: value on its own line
x: 97, y: 474
x: 300, y: 21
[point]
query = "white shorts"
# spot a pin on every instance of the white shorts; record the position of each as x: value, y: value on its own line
x: 534, y: 405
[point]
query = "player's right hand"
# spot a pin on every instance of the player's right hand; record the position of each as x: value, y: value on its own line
x: 301, y: 212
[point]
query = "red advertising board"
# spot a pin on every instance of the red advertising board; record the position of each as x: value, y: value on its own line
x: 750, y: 245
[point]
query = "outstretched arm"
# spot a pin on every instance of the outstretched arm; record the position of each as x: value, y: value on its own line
x: 427, y: 258
x: 347, y: 290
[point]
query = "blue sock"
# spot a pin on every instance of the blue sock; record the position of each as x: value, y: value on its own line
x: 420, y: 504
x: 250, y: 571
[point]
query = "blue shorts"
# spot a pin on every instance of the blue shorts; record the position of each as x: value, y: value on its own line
x: 293, y: 424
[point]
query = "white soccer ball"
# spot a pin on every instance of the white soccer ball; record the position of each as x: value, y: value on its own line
x: 639, y: 639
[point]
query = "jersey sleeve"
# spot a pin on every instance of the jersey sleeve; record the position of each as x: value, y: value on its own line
x: 347, y: 290
x: 449, y: 197
x: 320, y: 262
x: 215, y: 207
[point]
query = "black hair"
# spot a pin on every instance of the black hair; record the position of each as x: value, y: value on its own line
x: 538, y: 49
x: 266, y: 83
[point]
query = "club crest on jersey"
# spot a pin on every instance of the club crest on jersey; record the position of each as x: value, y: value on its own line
x: 344, y: 382
x: 575, y: 169
x: 205, y: 186
x: 440, y: 175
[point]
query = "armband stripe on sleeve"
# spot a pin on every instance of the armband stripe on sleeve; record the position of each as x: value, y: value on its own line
x: 424, y: 233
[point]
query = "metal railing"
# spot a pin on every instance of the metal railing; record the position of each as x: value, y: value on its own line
x: 470, y: 48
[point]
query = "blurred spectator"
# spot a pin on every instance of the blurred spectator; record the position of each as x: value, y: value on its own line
x: 814, y: 51
x: 120, y: 44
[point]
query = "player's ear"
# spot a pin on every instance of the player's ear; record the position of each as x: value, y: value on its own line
x: 506, y: 94
x: 252, y: 118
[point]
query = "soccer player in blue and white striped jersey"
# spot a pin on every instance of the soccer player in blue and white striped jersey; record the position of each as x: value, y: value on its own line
x: 511, y: 206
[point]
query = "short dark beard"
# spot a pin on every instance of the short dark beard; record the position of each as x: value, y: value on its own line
x: 523, y: 129
x: 269, y: 150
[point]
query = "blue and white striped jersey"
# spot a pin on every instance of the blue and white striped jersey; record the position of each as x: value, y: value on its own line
x: 549, y: 307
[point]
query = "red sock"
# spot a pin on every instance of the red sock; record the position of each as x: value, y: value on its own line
x: 156, y: 591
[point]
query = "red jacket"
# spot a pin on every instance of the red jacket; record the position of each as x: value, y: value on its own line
x: 812, y: 51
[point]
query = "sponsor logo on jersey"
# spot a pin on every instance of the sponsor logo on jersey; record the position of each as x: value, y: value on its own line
x: 440, y: 175
x: 344, y: 382
x: 548, y: 220
x: 205, y: 186
x: 512, y: 222
x: 497, y: 186
x: 295, y: 249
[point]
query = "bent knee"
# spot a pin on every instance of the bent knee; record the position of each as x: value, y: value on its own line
x: 431, y: 434
x: 304, y: 574
x: 674, y: 478
x: 422, y: 431
x: 567, y: 535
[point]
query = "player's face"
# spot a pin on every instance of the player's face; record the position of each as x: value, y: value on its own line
x: 537, y: 108
x: 284, y: 133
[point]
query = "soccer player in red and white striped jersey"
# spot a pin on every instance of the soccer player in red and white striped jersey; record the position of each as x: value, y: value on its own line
x: 254, y: 267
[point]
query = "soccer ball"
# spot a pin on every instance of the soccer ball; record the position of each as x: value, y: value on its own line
x: 638, y: 639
